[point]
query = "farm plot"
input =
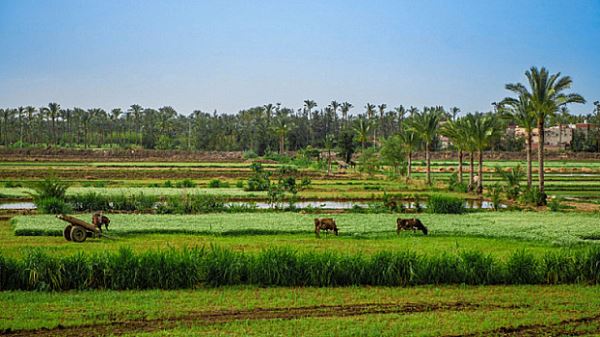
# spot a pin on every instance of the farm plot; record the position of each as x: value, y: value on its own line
x: 23, y: 192
x: 375, y: 311
x: 553, y: 228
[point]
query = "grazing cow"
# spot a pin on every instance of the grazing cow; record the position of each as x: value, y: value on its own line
x: 326, y: 224
x: 98, y: 219
x: 408, y: 224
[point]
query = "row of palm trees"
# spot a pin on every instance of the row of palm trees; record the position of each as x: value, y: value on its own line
x: 535, y: 104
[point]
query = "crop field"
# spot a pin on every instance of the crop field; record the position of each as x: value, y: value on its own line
x: 557, y: 229
x: 518, y: 273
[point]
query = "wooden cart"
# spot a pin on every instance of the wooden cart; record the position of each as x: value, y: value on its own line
x: 78, y: 230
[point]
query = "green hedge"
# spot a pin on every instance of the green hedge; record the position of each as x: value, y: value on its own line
x: 190, y: 268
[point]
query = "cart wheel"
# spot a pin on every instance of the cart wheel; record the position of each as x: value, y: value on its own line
x: 67, y: 232
x: 78, y: 234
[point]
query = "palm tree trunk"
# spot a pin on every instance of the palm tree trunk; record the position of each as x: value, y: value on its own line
x: 409, y: 166
x: 428, y: 159
x: 541, y: 159
x: 480, y: 173
x: 460, y: 166
x: 529, y: 168
x: 329, y: 162
x: 471, y: 171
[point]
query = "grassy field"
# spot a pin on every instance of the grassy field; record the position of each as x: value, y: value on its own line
x: 551, y: 228
x: 370, y: 311
x: 337, y: 311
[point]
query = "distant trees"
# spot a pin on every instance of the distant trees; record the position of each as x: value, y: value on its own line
x: 426, y: 124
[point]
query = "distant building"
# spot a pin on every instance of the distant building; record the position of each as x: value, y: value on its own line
x: 558, y: 137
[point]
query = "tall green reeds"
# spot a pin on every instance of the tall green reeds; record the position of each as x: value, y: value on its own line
x: 215, y: 266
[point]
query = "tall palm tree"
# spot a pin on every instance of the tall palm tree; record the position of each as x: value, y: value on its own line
x: 426, y: 125
x: 401, y: 111
x: 268, y: 111
x: 362, y: 129
x: 546, y: 94
x: 381, y: 108
x: 52, y: 111
x: 281, y: 128
x: 521, y: 112
x: 370, y: 110
x: 454, y: 111
x: 115, y: 114
x: 345, y: 107
x: 309, y: 104
x: 136, y: 111
x: 455, y: 130
x: 334, y: 107
x: 20, y: 112
x: 483, y: 129
x: 30, y: 111
x: 410, y: 140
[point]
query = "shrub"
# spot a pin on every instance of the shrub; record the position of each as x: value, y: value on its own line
x: 216, y: 183
x: 495, y: 194
x: 50, y: 188
x: 554, y: 205
x: 239, y: 184
x: 52, y: 205
x: 249, y: 154
x: 89, y: 202
x: 186, y: 183
x: 533, y: 196
x: 455, y: 186
x: 12, y: 184
x: 441, y: 204
x: 168, y: 183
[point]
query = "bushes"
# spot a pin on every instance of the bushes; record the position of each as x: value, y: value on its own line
x: 216, y: 183
x: 52, y: 205
x: 190, y: 268
x: 440, y: 204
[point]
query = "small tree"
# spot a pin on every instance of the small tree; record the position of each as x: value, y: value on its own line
x: 392, y: 152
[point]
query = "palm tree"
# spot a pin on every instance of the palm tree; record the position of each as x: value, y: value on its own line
x: 426, y: 125
x: 30, y: 111
x: 455, y: 130
x: 483, y: 129
x: 136, y: 110
x: 401, y: 111
x: 381, y: 108
x: 268, y: 111
x: 546, y: 94
x: 115, y: 114
x: 362, y: 129
x: 521, y: 112
x: 345, y: 107
x: 52, y: 111
x: 410, y: 139
x: 454, y: 111
x: 334, y: 106
x: 7, y: 115
x: 282, y: 127
x: 20, y: 111
x: 370, y: 113
x: 309, y: 104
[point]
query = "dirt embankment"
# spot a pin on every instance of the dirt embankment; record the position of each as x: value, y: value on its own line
x: 116, y: 155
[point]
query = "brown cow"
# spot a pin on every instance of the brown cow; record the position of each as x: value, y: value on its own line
x: 408, y: 224
x: 98, y: 219
x: 326, y: 224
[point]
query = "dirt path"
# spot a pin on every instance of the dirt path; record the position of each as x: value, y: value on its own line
x: 222, y: 316
x: 569, y: 327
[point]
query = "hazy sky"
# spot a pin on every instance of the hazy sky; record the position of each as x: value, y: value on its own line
x: 229, y: 55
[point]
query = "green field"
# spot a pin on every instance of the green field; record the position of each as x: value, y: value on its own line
x: 371, y: 311
x: 551, y: 228
x: 446, y: 310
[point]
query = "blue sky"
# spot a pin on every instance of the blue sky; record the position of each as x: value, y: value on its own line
x: 233, y: 54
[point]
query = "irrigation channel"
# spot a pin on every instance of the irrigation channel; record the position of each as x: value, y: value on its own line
x: 326, y: 205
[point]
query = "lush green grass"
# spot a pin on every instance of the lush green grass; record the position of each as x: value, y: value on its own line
x: 554, y: 228
x: 501, y: 306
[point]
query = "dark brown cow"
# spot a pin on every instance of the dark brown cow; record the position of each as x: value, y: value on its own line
x: 408, y: 224
x: 98, y: 219
x: 326, y: 224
